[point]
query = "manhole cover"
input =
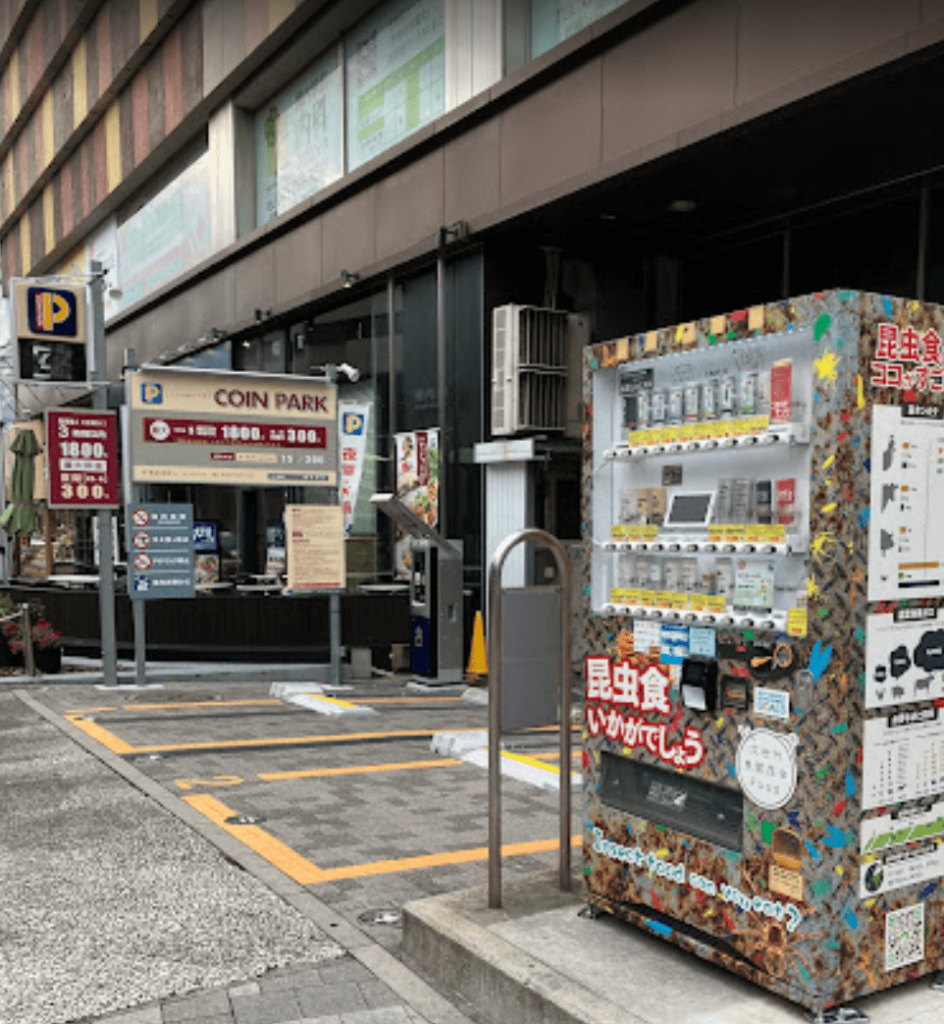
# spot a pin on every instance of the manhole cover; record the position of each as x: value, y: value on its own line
x: 383, y: 915
x: 244, y: 819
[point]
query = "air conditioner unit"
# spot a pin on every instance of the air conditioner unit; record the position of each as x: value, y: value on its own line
x: 529, y: 370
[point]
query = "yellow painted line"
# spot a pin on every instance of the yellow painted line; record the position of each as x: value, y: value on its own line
x: 281, y: 741
x: 217, y: 780
x: 406, y: 700
x: 552, y: 755
x: 101, y: 735
x: 331, y: 700
x: 304, y: 872
x: 293, y: 864
x: 359, y: 769
x: 432, y: 860
x: 181, y: 704
x: 118, y: 746
x: 204, y: 704
x: 533, y: 761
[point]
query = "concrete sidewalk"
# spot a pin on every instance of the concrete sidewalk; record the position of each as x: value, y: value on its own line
x: 538, y: 960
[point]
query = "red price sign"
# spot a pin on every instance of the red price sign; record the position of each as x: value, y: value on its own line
x: 82, y: 454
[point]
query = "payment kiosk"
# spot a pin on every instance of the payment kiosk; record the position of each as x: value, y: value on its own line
x: 435, y: 595
x: 764, y: 641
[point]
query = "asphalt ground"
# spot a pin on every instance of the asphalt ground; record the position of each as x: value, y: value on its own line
x: 354, y: 809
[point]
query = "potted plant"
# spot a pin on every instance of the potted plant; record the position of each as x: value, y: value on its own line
x: 11, y: 628
x: 47, y: 650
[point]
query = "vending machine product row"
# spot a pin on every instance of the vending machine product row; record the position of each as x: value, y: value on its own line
x: 764, y: 640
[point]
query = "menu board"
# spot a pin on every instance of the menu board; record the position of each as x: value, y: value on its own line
x: 396, y: 76
x: 314, y: 537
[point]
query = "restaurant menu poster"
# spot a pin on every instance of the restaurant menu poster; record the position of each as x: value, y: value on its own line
x: 417, y: 484
x: 314, y: 537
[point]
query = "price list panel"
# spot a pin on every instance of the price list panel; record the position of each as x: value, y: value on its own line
x: 903, y: 757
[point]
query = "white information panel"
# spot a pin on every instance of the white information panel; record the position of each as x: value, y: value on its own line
x: 396, y: 76
x: 906, y: 543
x: 900, y: 850
x: 904, y: 656
x: 903, y: 757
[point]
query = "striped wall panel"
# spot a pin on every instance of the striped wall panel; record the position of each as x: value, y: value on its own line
x: 168, y: 86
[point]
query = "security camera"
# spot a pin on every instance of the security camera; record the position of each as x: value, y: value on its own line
x: 351, y: 372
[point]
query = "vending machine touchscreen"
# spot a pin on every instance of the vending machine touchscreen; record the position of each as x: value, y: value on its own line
x: 764, y: 641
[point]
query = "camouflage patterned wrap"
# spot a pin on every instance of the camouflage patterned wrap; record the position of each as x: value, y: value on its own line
x: 810, y: 938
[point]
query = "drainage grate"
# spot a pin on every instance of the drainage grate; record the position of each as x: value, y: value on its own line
x: 382, y: 915
x: 245, y: 819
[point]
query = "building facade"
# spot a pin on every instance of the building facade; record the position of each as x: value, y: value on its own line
x: 282, y: 185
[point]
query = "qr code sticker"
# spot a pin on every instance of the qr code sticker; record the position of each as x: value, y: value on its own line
x: 904, y: 937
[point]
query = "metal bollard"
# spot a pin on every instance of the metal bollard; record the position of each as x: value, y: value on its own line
x: 29, y: 660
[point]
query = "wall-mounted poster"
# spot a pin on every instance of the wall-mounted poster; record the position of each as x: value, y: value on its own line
x: 417, y: 484
x: 396, y: 76
x: 314, y: 536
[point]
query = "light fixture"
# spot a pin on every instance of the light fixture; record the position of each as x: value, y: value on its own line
x: 452, y: 233
x: 682, y: 206
x: 349, y: 279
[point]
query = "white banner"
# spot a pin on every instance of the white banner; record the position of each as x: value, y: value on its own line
x: 353, y: 420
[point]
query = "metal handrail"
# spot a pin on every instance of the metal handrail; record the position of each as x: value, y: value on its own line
x: 495, y: 707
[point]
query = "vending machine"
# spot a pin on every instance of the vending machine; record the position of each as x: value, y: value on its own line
x: 764, y: 641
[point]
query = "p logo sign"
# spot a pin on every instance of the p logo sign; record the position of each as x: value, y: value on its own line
x: 152, y: 394
x: 352, y: 424
x: 52, y: 312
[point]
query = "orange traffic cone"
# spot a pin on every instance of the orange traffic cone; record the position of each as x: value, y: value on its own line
x: 478, y: 660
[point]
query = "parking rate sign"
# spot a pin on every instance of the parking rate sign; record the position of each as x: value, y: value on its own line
x: 82, y: 456
x: 160, y: 551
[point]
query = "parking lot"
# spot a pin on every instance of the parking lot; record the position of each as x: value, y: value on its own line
x: 345, y: 795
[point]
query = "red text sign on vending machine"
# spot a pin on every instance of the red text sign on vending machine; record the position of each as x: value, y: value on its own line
x: 82, y: 457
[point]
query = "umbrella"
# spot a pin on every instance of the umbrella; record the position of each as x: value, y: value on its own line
x: 20, y: 515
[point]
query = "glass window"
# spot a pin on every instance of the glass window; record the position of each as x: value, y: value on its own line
x: 415, y: 358
x: 298, y: 139
x: 218, y: 357
x: 553, y: 21
x: 354, y: 335
x: 262, y: 354
x: 395, y: 75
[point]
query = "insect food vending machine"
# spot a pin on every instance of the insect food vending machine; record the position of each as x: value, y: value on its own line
x: 764, y: 640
